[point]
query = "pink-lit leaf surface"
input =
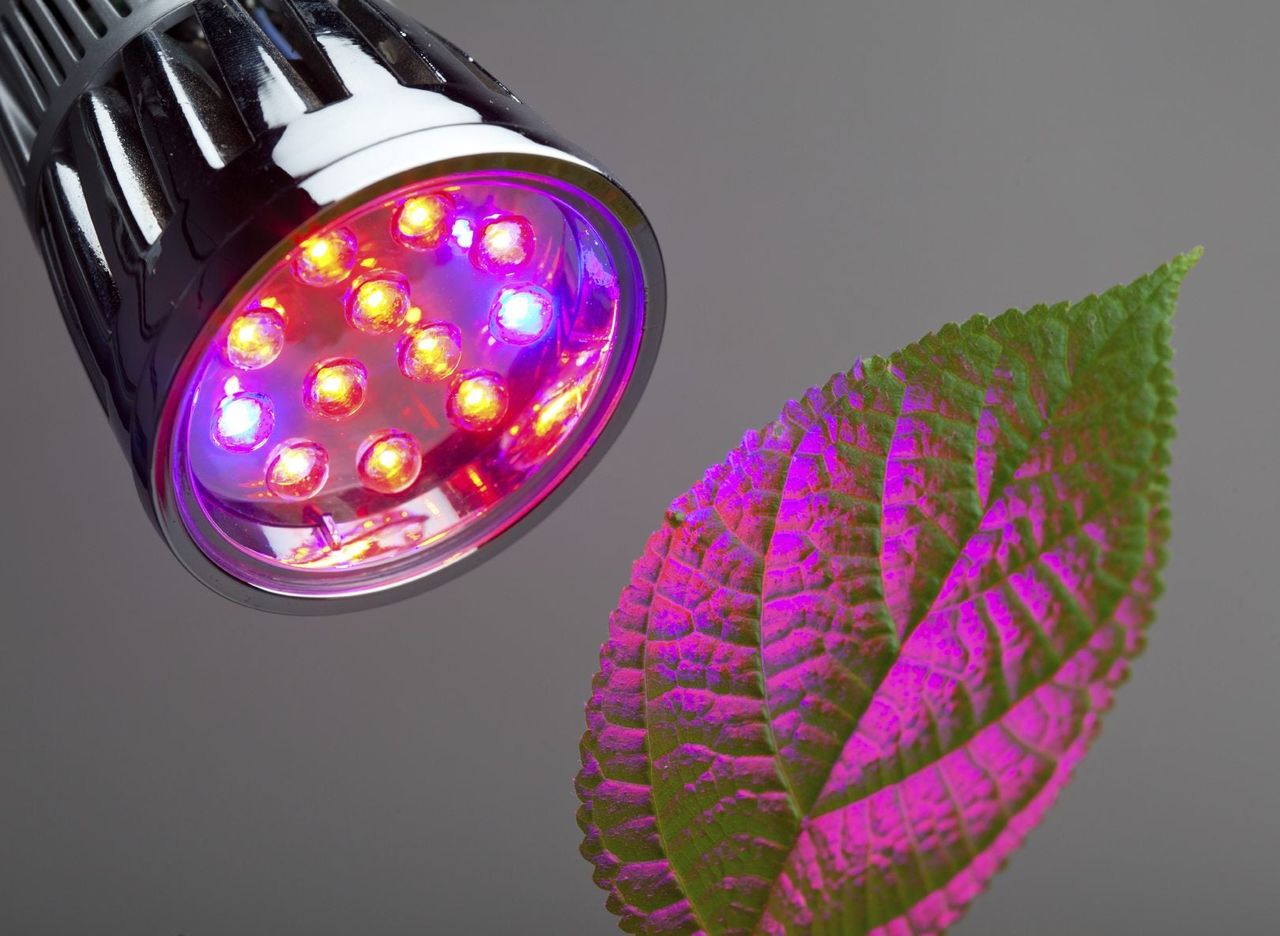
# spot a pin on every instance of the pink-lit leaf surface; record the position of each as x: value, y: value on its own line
x: 861, y: 657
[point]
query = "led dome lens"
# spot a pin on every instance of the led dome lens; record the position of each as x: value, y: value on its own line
x: 325, y: 259
x: 255, y: 338
x: 430, y: 352
x: 479, y: 401
x: 297, y: 470
x: 423, y: 221
x: 243, y: 422
x: 379, y: 302
x: 389, y: 461
x: 520, y: 316
x: 335, y: 387
x: 357, y: 314
x: 503, y: 244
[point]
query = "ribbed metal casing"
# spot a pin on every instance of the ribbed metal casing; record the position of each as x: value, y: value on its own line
x: 161, y: 148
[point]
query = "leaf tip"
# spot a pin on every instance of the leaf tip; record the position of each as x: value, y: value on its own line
x: 1182, y: 263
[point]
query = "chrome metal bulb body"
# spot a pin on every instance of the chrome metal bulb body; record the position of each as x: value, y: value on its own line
x: 177, y: 159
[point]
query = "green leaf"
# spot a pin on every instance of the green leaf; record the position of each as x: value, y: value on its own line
x: 861, y: 657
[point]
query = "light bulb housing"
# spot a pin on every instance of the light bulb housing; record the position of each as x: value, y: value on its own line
x: 190, y: 166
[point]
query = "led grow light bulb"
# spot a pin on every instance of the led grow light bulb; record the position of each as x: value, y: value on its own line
x: 352, y: 309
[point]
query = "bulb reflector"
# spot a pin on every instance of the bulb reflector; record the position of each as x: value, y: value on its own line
x: 404, y: 404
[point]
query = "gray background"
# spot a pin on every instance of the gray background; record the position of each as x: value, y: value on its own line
x: 828, y: 180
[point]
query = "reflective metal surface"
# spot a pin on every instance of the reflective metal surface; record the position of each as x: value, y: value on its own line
x: 165, y: 152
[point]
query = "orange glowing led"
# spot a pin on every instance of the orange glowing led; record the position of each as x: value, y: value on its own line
x: 326, y: 259
x: 335, y: 387
x: 430, y: 352
x: 255, y: 338
x: 479, y: 401
x: 389, y: 461
x: 297, y: 469
x: 422, y: 221
x: 379, y: 302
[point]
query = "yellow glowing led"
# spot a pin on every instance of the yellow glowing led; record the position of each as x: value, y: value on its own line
x: 422, y: 221
x: 430, y: 352
x: 326, y: 259
x: 335, y: 387
x: 379, y: 303
x: 413, y: 316
x: 389, y: 461
x: 478, y: 402
x: 255, y: 339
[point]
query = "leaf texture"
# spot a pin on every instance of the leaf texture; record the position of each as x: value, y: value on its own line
x: 863, y: 654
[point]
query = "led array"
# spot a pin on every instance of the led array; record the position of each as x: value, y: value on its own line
x: 378, y: 302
